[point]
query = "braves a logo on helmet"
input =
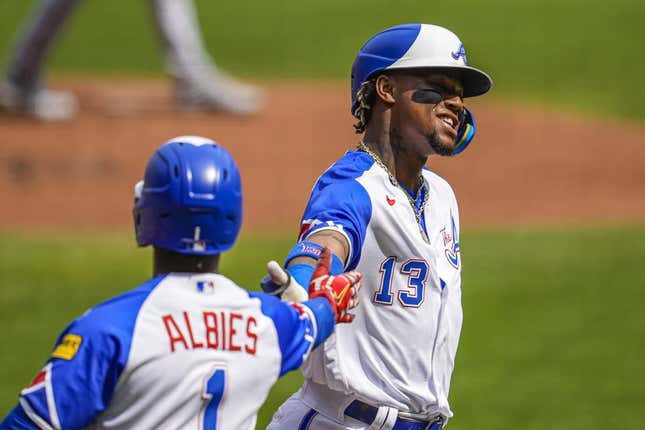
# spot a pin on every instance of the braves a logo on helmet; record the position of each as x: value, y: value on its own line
x: 451, y: 244
x: 459, y: 53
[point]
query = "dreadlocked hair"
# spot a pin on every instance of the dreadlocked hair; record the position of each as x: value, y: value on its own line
x: 365, y: 97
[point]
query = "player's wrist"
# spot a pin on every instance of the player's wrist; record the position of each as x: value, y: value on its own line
x: 301, y: 273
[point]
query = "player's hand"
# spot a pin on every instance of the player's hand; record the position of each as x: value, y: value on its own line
x: 279, y: 282
x: 341, y: 290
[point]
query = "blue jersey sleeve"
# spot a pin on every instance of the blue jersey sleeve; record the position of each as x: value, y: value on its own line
x: 343, y: 206
x: 78, y: 380
x: 300, y: 327
x: 17, y: 419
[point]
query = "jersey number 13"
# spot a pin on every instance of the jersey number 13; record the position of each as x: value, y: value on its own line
x: 416, y: 271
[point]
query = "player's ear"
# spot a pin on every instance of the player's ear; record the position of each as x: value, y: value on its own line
x: 384, y: 87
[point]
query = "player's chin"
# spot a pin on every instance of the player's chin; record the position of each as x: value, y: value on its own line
x: 442, y: 144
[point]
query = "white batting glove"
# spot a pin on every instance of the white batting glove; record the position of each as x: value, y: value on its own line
x: 280, y: 283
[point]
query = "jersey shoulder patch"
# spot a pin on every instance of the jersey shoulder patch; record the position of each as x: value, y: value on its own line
x: 68, y: 347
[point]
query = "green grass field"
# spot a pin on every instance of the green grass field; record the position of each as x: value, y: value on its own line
x: 564, y: 54
x: 553, y: 330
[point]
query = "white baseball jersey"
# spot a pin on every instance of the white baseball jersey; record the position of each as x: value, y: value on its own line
x: 401, y: 347
x: 182, y: 351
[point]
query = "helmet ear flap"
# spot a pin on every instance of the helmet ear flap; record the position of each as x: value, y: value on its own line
x: 465, y: 133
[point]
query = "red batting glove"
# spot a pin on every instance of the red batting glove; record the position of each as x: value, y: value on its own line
x: 341, y: 291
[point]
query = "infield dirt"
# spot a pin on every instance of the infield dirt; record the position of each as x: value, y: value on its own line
x: 525, y: 166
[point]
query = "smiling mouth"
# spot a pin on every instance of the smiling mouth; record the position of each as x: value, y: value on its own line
x: 450, y: 122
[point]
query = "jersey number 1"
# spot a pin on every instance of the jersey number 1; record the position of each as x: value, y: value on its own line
x: 213, y: 392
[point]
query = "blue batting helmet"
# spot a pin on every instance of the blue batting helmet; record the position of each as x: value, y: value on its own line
x: 419, y: 46
x: 191, y: 198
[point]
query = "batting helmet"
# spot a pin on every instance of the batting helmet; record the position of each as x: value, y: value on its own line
x: 191, y: 198
x: 420, y: 46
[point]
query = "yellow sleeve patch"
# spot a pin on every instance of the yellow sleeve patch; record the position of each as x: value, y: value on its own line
x: 68, y: 348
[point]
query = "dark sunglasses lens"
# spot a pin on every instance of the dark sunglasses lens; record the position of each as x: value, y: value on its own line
x: 426, y: 96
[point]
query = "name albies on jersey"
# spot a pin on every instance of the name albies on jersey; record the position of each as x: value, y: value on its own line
x: 400, y: 349
x: 182, y: 351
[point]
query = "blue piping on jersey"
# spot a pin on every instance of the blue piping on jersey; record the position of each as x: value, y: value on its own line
x: 307, y: 419
x: 418, y: 201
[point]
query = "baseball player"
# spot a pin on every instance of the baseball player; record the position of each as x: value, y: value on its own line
x: 188, y: 349
x: 382, y: 212
x: 199, y: 83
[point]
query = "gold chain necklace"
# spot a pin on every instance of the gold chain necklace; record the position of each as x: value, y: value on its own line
x: 422, y: 187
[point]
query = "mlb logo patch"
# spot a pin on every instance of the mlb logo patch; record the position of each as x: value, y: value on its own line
x: 199, y: 245
x: 206, y: 287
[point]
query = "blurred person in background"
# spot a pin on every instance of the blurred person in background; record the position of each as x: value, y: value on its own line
x: 198, y: 82
x: 187, y: 349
